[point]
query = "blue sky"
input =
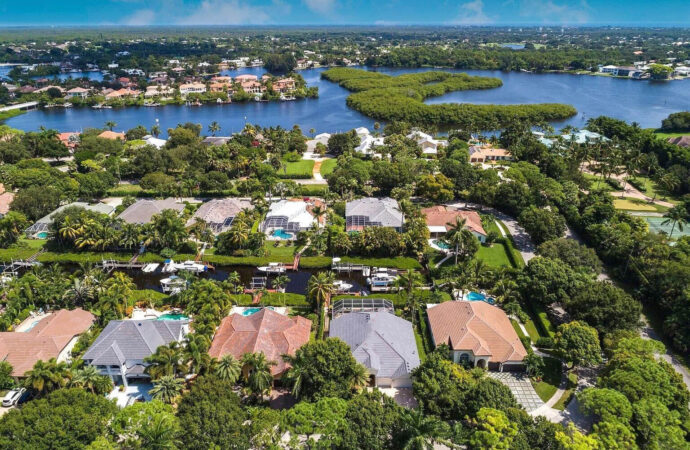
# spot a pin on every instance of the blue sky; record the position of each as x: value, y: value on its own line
x: 374, y: 12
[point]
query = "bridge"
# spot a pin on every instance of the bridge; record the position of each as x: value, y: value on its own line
x: 20, y: 106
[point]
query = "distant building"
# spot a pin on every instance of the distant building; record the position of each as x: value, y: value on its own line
x: 142, y: 211
x: 192, y: 88
x: 373, y: 212
x: 252, y: 87
x: 219, y: 213
x: 216, y: 140
x: 40, y: 228
x: 486, y: 153
x: 121, y: 93
x: 78, y: 92
x: 429, y: 145
x: 151, y: 140
x: 284, y: 85
x: 245, y: 77
x: 70, y: 139
x: 112, y: 135
x: 158, y: 91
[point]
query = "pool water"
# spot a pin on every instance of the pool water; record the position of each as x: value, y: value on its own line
x: 33, y: 324
x: 250, y: 311
x: 42, y: 235
x: 282, y: 234
x: 441, y: 244
x: 479, y: 297
x: 172, y: 317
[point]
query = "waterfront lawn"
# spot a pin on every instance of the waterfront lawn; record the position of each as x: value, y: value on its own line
x: 401, y: 262
x: 23, y: 249
x: 328, y: 166
x: 299, y: 169
x: 548, y: 385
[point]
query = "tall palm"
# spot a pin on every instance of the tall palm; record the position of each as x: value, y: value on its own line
x: 196, y: 353
x: 166, y: 361
x: 90, y: 379
x: 678, y: 215
x: 110, y: 125
x: 360, y: 377
x: 167, y: 389
x: 295, y: 375
x: 279, y: 284
x: 420, y: 431
x: 454, y: 235
x: 47, y: 376
x: 80, y: 293
x: 213, y: 128
x: 129, y: 236
x: 228, y: 368
x: 239, y: 234
x: 320, y: 287
x: 258, y: 376
x: 318, y: 212
x: 156, y: 130
x: 159, y: 433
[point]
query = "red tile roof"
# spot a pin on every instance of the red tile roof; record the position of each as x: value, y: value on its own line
x: 441, y: 216
x: 477, y: 326
x: 266, y: 331
x: 107, y: 134
x: 44, y: 341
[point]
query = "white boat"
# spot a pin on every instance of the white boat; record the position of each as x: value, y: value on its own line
x: 148, y: 268
x: 171, y: 266
x: 173, y: 285
x: 273, y: 267
x: 382, y: 279
x: 341, y: 286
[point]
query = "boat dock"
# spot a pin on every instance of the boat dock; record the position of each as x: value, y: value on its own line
x: 109, y: 265
x: 338, y: 266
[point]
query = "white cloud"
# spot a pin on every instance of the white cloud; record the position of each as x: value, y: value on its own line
x: 321, y: 6
x: 141, y: 17
x: 548, y: 11
x: 472, y: 13
x: 225, y: 12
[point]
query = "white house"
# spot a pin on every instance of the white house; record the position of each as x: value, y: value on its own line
x: 192, y: 88
x: 429, y: 145
x: 292, y: 215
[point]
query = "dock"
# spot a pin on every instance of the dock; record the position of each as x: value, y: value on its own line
x: 338, y: 266
x: 109, y: 265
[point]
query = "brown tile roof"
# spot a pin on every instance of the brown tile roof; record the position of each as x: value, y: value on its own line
x: 266, y: 331
x: 44, y: 341
x: 107, y: 134
x: 477, y: 326
x: 442, y: 216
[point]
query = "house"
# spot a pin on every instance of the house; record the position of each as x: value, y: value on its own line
x: 439, y: 220
x: 373, y: 212
x: 368, y: 144
x: 221, y: 79
x: 120, y: 349
x: 609, y: 69
x: 486, y: 153
x: 5, y: 200
x: 429, y: 145
x: 142, y: 211
x: 219, y: 213
x: 216, y: 140
x: 284, y: 85
x: 78, y: 92
x: 478, y: 334
x: 121, y: 93
x: 50, y: 337
x: 381, y: 341
x: 192, y: 88
x: 151, y: 140
x: 40, y: 228
x: 69, y: 139
x: 292, y: 215
x: 252, y: 87
x: 681, y: 141
x: 218, y: 87
x: 585, y: 137
x: 265, y: 331
x: 46, y: 89
x: 245, y: 77
x: 112, y: 135
x: 158, y: 91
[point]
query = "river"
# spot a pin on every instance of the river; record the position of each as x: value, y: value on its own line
x: 644, y: 102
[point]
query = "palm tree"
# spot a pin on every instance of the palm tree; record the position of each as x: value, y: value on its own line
x: 80, y: 293
x: 47, y: 376
x: 110, y: 125
x: 454, y: 235
x: 90, y: 378
x: 156, y: 130
x: 196, y: 353
x: 279, y: 284
x: 668, y: 182
x: 321, y: 287
x: 295, y: 375
x: 166, y: 361
x: 228, y: 368
x: 677, y: 215
x: 421, y: 431
x: 318, y: 212
x: 167, y: 389
x: 159, y: 433
x: 258, y: 377
x: 239, y: 233
x: 213, y: 128
x: 360, y: 377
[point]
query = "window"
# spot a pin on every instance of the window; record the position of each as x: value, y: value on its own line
x: 464, y: 358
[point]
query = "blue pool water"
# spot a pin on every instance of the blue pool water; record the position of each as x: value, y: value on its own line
x: 440, y: 244
x: 172, y: 317
x: 250, y: 311
x: 282, y: 234
x: 33, y: 324
x: 479, y: 297
x: 42, y: 235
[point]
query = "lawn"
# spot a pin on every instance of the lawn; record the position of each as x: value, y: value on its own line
x: 597, y: 184
x: 548, y: 385
x: 23, y: 249
x: 664, y: 136
x: 516, y: 327
x: 300, y: 169
x: 125, y: 189
x: 649, y: 187
x: 328, y: 166
x: 568, y: 394
x: 635, y: 204
x: 494, y: 256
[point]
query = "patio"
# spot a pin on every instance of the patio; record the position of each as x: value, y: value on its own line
x: 132, y: 393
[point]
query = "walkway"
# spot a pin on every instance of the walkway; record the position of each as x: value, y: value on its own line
x: 521, y: 387
x: 631, y: 191
x: 647, y: 332
x: 316, y: 172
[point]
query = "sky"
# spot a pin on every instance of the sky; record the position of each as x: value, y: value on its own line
x: 363, y: 12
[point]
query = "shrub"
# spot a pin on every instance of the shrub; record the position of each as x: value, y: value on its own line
x: 545, y: 342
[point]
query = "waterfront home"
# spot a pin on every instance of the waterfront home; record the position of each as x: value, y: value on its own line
x: 120, y: 349
x: 284, y: 85
x: 69, y: 139
x: 156, y: 142
x: 112, y: 135
x: 121, y: 94
x: 158, y: 91
x: 439, y: 220
x: 478, y: 334
x: 584, y: 137
x: 264, y: 331
x: 47, y: 88
x: 216, y: 140
x: 5, y: 200
x: 141, y: 211
x: 368, y: 143
x: 381, y: 341
x: 487, y: 153
x: 52, y: 336
x: 219, y: 213
x: 245, y: 77
x: 428, y: 144
x: 192, y: 88
x: 221, y: 79
x: 373, y: 212
x: 78, y: 92
x: 40, y: 228
x: 252, y: 87
x: 293, y: 216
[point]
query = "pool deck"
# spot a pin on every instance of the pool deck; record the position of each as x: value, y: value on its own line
x: 26, y: 324
x: 241, y: 309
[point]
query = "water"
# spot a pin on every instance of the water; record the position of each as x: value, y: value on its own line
x: 282, y: 234
x: 250, y: 311
x: 441, y: 244
x: 645, y: 102
x: 172, y: 317
x: 479, y: 297
x: 91, y: 75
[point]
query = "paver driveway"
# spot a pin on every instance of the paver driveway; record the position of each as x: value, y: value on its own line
x: 520, y: 386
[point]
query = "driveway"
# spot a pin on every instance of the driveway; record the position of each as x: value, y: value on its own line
x: 521, y: 387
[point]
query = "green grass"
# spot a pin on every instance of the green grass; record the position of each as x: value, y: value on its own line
x: 635, y: 204
x: 125, y: 189
x: 548, y: 385
x: 299, y: 169
x: 328, y: 166
x: 23, y: 249
x: 568, y: 394
x: 597, y: 183
x: 532, y: 330
x: 664, y: 136
x: 400, y: 262
x: 517, y: 328
x: 313, y: 190
x: 546, y: 327
x: 146, y: 295
x: 649, y: 187
x: 9, y: 114
x: 494, y: 256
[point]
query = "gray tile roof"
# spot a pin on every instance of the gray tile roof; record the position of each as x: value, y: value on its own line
x: 381, y: 341
x: 132, y: 340
x: 143, y: 210
x: 378, y: 210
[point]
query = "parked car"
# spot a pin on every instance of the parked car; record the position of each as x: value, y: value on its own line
x: 12, y: 397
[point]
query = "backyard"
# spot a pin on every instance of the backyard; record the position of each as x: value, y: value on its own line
x: 299, y: 169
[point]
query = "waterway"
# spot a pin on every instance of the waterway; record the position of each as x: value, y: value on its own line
x: 644, y: 102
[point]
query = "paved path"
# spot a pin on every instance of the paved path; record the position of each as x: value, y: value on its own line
x: 316, y: 171
x: 631, y: 191
x: 647, y: 332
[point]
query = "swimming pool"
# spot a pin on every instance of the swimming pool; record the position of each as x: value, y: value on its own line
x: 42, y: 235
x: 172, y: 317
x: 479, y: 297
x: 441, y: 244
x: 33, y: 324
x: 250, y: 311
x: 282, y: 234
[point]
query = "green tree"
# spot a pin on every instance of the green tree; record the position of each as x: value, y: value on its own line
x: 6, y: 380
x: 167, y: 389
x: 228, y: 369
x: 257, y: 373
x: 110, y: 125
x: 90, y: 379
x: 167, y: 360
x: 47, y: 376
x: 606, y: 405
x: 213, y: 128
x: 678, y: 215
x: 146, y: 425
x: 320, y: 288
x: 493, y: 430
x: 578, y: 344
x: 419, y: 431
